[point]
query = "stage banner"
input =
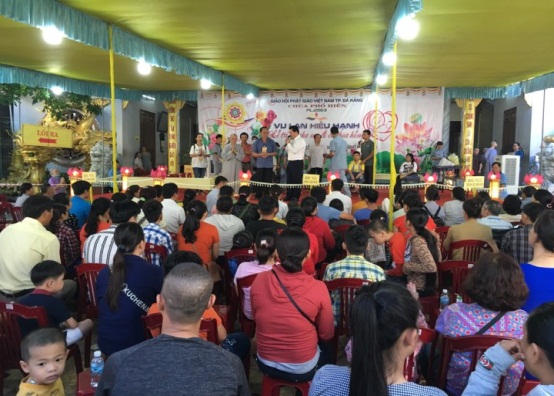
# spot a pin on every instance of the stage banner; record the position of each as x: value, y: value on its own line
x: 418, y: 118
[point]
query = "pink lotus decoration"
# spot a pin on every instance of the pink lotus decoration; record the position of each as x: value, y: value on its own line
x: 493, y: 176
x: 126, y: 171
x: 531, y: 180
x: 468, y: 172
x: 332, y: 175
x: 75, y: 173
x: 159, y: 173
x: 431, y: 178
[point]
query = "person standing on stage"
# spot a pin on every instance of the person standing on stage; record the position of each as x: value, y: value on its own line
x: 247, y: 151
x: 367, y: 150
x: 337, y: 154
x: 315, y: 156
x: 296, y: 150
x: 490, y: 158
x: 263, y: 150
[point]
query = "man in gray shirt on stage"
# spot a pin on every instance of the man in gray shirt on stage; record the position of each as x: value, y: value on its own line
x: 337, y: 154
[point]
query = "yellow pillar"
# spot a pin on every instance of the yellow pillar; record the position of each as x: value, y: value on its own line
x: 392, y: 141
x: 173, y: 109
x: 115, y: 187
x: 468, y: 132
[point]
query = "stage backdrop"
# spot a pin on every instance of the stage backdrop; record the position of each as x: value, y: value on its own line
x: 418, y: 120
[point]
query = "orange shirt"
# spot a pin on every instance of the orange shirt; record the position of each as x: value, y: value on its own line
x: 206, y: 236
x: 361, y: 204
x: 400, y: 223
x: 397, y: 247
x: 83, y: 236
x: 208, y: 314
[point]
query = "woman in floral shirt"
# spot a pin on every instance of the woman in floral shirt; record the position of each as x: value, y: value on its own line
x: 422, y: 253
x: 496, y: 284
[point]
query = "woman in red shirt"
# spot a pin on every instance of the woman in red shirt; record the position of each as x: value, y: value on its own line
x: 295, y: 218
x: 287, y: 340
x: 199, y: 237
x: 318, y: 227
x: 396, y: 243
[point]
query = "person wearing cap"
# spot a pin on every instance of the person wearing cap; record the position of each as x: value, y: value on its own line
x: 438, y: 153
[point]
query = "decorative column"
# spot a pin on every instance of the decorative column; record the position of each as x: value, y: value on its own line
x: 468, y: 132
x: 173, y: 109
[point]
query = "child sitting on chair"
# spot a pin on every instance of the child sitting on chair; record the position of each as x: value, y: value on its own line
x: 43, y: 356
x: 47, y: 277
x: 355, y: 171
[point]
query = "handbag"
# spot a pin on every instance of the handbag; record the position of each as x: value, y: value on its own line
x: 292, y: 300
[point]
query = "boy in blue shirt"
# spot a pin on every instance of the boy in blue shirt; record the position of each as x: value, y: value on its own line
x: 80, y: 205
x: 47, y: 277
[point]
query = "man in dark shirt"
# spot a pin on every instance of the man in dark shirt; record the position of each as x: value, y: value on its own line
x: 177, y: 361
x: 267, y: 207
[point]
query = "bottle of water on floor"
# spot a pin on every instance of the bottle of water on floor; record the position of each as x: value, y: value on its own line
x: 96, y: 368
x: 444, y: 300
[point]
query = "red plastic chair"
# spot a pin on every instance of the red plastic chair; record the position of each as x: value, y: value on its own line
x: 457, y: 271
x: 153, y: 327
x: 476, y: 345
x: 346, y: 288
x: 272, y: 386
x: 426, y: 336
x: 17, y: 214
x: 6, y: 214
x: 430, y: 308
x: 471, y: 249
x: 83, y: 384
x: 526, y: 386
x: 86, y: 278
x: 240, y: 256
x: 442, y: 233
x: 363, y: 222
x: 248, y: 326
x: 10, y: 335
x: 152, y: 248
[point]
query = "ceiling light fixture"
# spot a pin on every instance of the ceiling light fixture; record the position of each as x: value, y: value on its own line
x: 144, y: 68
x: 389, y: 58
x: 250, y: 96
x: 205, y: 84
x: 57, y: 90
x: 148, y: 97
x: 52, y: 35
x: 381, y: 79
x: 407, y: 28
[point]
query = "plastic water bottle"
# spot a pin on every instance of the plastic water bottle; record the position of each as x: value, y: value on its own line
x: 444, y: 300
x: 96, y: 368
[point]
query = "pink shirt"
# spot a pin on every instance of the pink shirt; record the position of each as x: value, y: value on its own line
x: 244, y: 270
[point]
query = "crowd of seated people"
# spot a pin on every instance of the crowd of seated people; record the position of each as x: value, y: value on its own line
x: 509, y: 293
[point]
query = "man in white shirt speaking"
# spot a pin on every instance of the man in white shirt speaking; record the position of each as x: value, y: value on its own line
x: 296, y: 150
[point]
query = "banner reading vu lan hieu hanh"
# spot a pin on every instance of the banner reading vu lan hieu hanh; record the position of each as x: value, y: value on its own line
x: 419, y: 117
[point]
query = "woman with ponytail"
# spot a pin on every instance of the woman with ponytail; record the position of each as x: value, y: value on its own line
x: 539, y: 272
x: 98, y: 219
x: 266, y: 254
x: 422, y: 253
x: 125, y: 291
x: 197, y: 236
x: 292, y: 311
x: 383, y: 323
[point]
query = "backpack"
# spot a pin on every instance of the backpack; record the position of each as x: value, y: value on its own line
x: 438, y: 220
